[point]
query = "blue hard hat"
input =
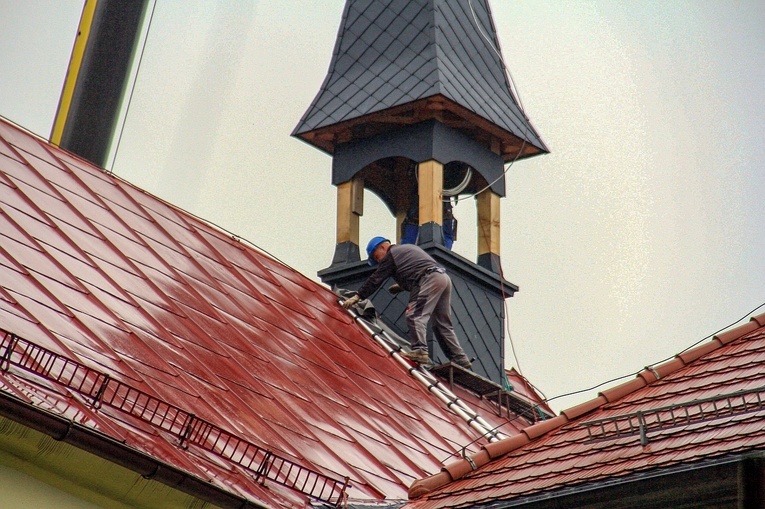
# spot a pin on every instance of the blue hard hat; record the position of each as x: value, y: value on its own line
x: 376, y: 241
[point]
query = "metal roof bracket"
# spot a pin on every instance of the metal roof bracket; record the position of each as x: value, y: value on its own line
x: 643, y: 429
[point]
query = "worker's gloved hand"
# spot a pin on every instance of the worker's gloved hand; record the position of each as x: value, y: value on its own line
x: 395, y: 288
x: 351, y: 301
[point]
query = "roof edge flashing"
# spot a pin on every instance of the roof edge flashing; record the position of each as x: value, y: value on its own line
x: 554, y: 495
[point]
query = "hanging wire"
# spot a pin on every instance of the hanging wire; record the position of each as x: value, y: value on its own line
x: 462, y: 450
x: 233, y: 236
x: 238, y: 238
x: 516, y: 96
x: 132, y: 87
x: 513, y: 91
x: 507, y: 312
x: 547, y: 400
x: 650, y: 366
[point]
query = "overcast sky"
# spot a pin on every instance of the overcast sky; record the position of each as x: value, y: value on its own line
x: 642, y: 232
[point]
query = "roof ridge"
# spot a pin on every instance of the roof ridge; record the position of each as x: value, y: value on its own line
x: 650, y: 374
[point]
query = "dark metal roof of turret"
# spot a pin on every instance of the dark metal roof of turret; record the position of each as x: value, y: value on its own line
x: 394, y: 53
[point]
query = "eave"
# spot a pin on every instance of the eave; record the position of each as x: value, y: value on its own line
x: 501, y: 141
x: 71, y: 462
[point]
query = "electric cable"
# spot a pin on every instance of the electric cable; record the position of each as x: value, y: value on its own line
x: 508, y: 75
x: 516, y: 96
x: 547, y: 400
x: 518, y: 415
x: 506, y: 310
x: 650, y: 366
x: 456, y: 190
x: 513, y: 91
x: 234, y: 237
x: 238, y: 238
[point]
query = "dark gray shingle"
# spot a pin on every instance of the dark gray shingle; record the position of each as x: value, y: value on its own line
x: 389, y: 48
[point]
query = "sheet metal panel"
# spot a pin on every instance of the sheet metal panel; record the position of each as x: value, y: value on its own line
x: 99, y: 272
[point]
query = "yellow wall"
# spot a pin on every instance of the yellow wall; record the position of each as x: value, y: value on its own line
x: 21, y: 491
x: 35, y: 468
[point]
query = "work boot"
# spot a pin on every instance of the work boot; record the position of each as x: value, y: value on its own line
x: 416, y: 356
x: 463, y: 364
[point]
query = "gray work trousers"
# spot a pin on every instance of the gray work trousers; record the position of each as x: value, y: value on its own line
x: 430, y: 301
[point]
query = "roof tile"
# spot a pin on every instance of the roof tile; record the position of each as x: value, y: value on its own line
x: 615, y: 393
x: 583, y: 408
x: 735, y: 333
x: 709, y: 408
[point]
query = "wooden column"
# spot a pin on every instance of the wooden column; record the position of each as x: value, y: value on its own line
x: 488, y: 230
x: 430, y: 176
x: 400, y: 216
x: 350, y: 208
x: 431, y: 182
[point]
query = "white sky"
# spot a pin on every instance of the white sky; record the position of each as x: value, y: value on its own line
x: 641, y: 233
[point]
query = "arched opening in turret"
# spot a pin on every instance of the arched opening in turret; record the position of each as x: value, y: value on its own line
x: 395, y: 181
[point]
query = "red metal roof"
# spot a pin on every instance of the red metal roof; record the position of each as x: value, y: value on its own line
x: 708, y: 402
x: 522, y: 386
x: 196, y: 348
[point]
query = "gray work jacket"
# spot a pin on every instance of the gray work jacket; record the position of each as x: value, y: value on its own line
x: 405, y: 263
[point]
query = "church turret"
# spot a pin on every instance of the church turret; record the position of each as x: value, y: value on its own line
x: 418, y: 109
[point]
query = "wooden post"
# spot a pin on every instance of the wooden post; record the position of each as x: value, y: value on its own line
x: 487, y: 203
x: 350, y: 207
x: 430, y: 177
x: 431, y: 183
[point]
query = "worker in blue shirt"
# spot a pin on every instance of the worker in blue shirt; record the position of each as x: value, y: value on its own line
x: 430, y: 290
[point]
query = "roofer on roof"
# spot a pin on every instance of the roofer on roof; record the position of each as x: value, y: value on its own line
x: 430, y: 292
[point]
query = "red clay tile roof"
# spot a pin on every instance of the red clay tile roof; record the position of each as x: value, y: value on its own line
x: 184, y: 336
x: 707, y: 402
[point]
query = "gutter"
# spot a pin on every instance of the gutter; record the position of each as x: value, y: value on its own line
x: 94, y: 442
